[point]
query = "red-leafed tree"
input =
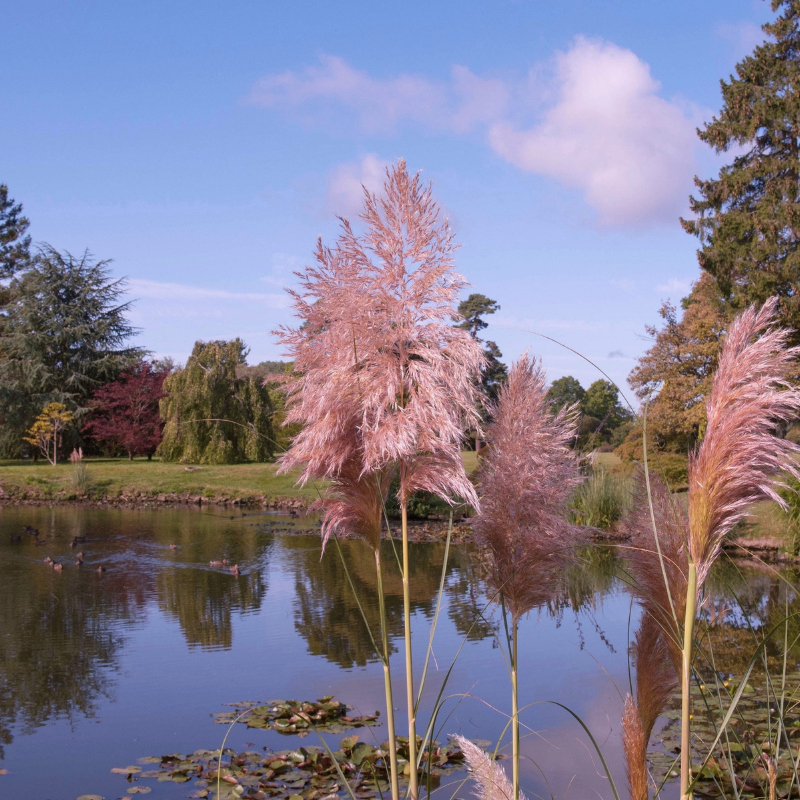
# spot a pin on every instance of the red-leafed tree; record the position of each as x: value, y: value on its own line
x: 125, y: 412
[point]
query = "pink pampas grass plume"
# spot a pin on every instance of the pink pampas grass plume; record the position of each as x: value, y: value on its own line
x: 656, y: 680
x: 741, y: 459
x: 376, y: 350
x: 526, y: 479
x: 491, y: 782
x: 659, y: 582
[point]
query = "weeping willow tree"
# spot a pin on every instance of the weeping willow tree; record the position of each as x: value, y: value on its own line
x: 211, y: 415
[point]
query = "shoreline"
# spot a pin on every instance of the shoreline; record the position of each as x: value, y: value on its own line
x: 765, y: 548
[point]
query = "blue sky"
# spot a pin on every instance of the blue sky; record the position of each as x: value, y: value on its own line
x: 204, y: 147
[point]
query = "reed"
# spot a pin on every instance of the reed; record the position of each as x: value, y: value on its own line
x: 527, y: 477
x: 739, y: 462
x: 383, y: 380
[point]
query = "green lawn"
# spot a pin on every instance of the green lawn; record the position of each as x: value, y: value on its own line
x: 113, y: 477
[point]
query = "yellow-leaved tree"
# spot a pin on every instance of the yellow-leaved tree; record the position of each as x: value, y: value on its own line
x: 45, y: 433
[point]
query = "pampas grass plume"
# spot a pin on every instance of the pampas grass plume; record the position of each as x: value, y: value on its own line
x: 491, y: 781
x: 740, y: 456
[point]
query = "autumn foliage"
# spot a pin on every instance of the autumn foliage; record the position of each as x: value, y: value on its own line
x: 125, y: 412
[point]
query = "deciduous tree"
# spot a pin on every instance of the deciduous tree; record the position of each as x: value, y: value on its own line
x: 125, y: 414
x: 46, y: 432
x: 212, y: 416
x: 674, y: 375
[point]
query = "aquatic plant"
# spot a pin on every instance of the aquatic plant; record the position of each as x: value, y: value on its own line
x: 383, y: 382
x: 527, y: 477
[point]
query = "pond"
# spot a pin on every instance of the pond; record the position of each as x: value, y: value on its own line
x: 101, y: 668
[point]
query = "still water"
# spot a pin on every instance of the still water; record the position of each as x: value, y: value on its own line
x: 99, y: 669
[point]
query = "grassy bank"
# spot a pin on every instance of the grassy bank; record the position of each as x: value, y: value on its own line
x: 120, y: 479
x: 140, y: 480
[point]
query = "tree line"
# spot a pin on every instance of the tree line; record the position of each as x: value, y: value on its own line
x: 71, y: 381
x: 747, y: 222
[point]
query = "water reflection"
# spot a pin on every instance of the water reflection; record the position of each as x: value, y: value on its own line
x: 327, y: 615
x: 60, y: 643
x: 66, y: 639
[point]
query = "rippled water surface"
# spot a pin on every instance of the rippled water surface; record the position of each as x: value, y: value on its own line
x: 98, y: 669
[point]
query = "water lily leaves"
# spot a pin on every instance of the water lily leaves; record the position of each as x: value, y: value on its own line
x: 139, y: 790
x: 296, y: 717
x: 126, y: 770
x: 307, y: 773
x: 90, y: 797
x: 751, y: 733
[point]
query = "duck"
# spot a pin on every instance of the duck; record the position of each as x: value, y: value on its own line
x: 30, y: 531
x: 101, y: 569
x: 223, y: 563
x: 79, y: 561
x: 173, y: 547
x: 58, y: 567
x: 48, y: 560
x: 79, y: 555
x: 39, y: 542
x: 16, y: 538
x: 235, y: 569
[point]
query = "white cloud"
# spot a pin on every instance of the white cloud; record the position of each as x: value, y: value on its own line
x: 602, y: 128
x: 346, y: 184
x: 675, y: 286
x: 609, y: 135
x: 381, y: 104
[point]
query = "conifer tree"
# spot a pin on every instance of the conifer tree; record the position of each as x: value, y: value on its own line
x: 495, y: 373
x: 748, y: 218
x: 14, y: 244
x: 64, y: 333
x: 212, y: 416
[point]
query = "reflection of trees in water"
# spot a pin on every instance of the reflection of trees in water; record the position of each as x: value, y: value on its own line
x: 328, y: 618
x: 327, y: 615
x: 60, y: 638
x: 61, y: 634
x: 203, y: 602
x: 745, y: 601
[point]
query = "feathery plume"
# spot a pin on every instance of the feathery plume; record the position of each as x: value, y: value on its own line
x: 526, y: 480
x: 376, y: 349
x: 491, y: 782
x: 384, y: 381
x: 354, y: 504
x: 527, y: 477
x: 656, y: 680
x: 740, y: 457
x: 659, y: 581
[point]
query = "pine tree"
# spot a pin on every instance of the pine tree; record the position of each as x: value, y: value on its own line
x: 212, y: 416
x: 748, y: 218
x: 64, y: 334
x: 474, y: 309
x: 14, y: 244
